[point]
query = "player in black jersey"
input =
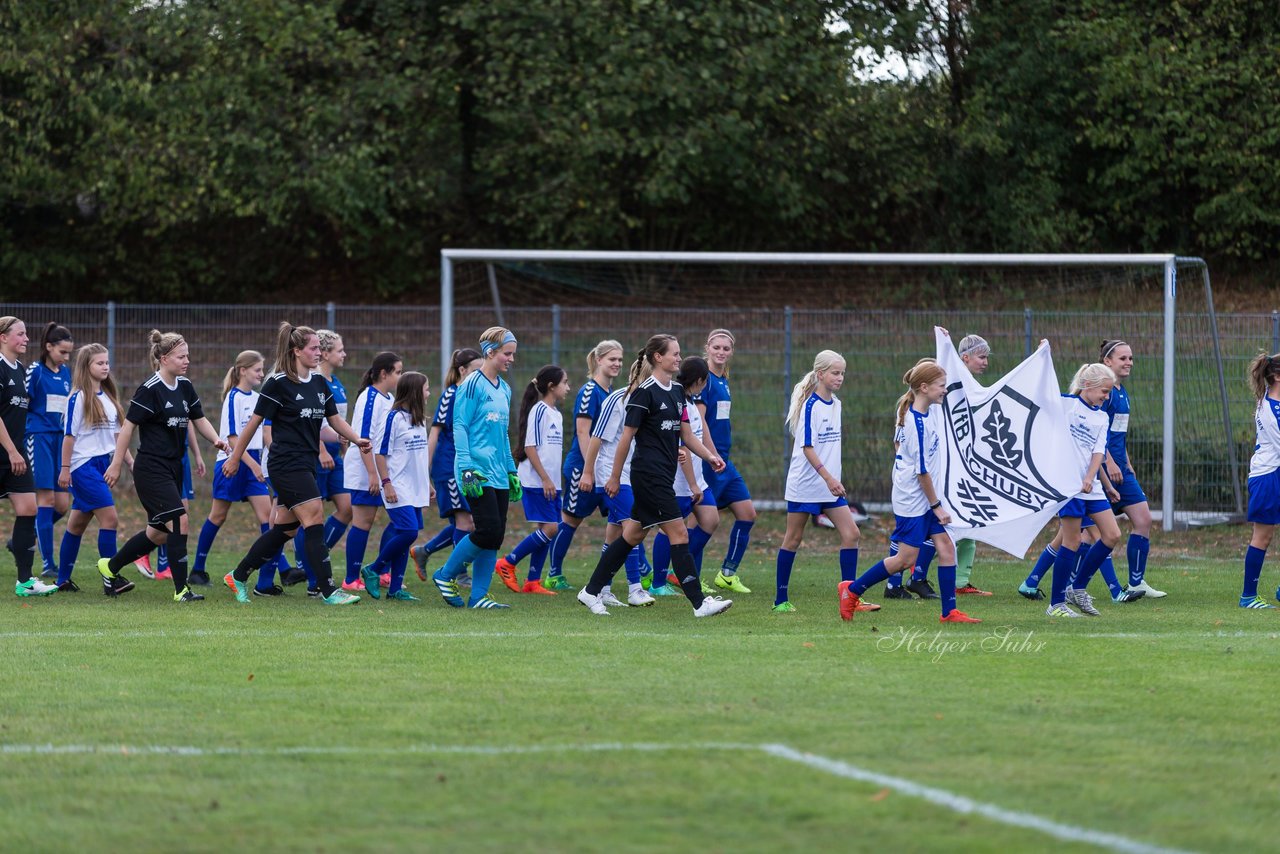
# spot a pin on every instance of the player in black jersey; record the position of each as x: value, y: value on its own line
x: 297, y: 400
x: 656, y: 420
x: 160, y: 411
x: 16, y: 482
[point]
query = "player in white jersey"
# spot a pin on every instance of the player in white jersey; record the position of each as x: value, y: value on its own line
x: 1264, y: 474
x: 919, y: 513
x: 93, y: 421
x: 813, y: 478
x: 368, y: 417
x: 539, y: 457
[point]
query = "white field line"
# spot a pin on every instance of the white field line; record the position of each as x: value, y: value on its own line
x: 938, y: 797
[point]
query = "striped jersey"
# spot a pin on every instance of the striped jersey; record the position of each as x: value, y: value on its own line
x: 698, y: 426
x: 237, y: 409
x: 368, y: 420
x: 590, y: 401
x: 1117, y: 409
x: 819, y: 428
x: 608, y: 429
x: 1266, y: 452
x: 1088, y: 428
x: 544, y: 431
x: 404, y: 444
x: 49, y: 391
x: 919, y: 442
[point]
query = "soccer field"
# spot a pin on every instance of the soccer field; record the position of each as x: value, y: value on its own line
x: 283, y: 725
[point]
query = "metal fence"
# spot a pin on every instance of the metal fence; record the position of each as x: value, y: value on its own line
x: 774, y: 349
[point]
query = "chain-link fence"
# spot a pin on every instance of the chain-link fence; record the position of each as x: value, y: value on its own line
x: 775, y: 347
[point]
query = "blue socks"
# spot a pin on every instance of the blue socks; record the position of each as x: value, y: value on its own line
x: 333, y: 531
x: 481, y: 572
x: 895, y: 580
x: 395, y: 554
x: 537, y: 561
x: 464, y: 552
x: 1064, y: 566
x: 1043, y: 564
x: 1108, y: 572
x: 1093, y: 559
x: 633, y: 566
x: 739, y: 538
x: 208, y: 532
x: 870, y: 578
x: 662, y: 557
x: 67, y: 555
x: 530, y: 544
x: 947, y: 587
x: 1136, y: 552
x: 927, y: 553
x: 357, y: 542
x: 848, y: 564
x: 44, y: 535
x: 106, y: 543
x: 786, y: 559
x: 1253, y: 558
x: 698, y: 540
x: 560, y: 547
x: 442, y: 540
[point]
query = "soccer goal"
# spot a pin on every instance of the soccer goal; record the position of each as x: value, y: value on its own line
x: 1191, y: 425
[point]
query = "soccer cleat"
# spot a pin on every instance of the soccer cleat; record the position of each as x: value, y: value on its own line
x: 49, y: 572
x: 1082, y: 600
x: 487, y: 603
x: 293, y: 576
x: 384, y: 579
x: 165, y: 573
x: 898, y: 592
x: 1061, y: 611
x: 237, y: 586
x: 116, y: 586
x: 403, y: 595
x: 922, y: 588
x: 849, y: 600
x: 340, y: 597
x: 356, y: 586
x: 535, y: 586
x: 1148, y: 590
x: 970, y: 590
x: 372, y: 582
x: 420, y: 557
x: 593, y: 603
x: 33, y: 587
x: 144, y: 566
x: 273, y: 590
x: 640, y: 599
x: 448, y: 590
x: 558, y: 582
x: 711, y: 606
x: 673, y: 579
x: 958, y: 616
x: 104, y: 568
x: 464, y: 580
x: 199, y: 577
x: 665, y: 590
x: 313, y: 592
x: 1255, y: 602
x: 784, y: 608
x: 185, y: 595
x: 68, y: 586
x: 1028, y: 592
x: 731, y: 582
x: 866, y: 606
x: 506, y: 570
x: 609, y: 600
x: 707, y: 589
x: 646, y: 577
x: 1129, y: 594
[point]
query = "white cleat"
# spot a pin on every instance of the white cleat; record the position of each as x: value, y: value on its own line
x: 39, y: 588
x: 1082, y: 600
x: 1061, y: 611
x: 593, y: 603
x: 609, y: 600
x: 711, y: 606
x: 640, y: 599
x: 1149, y: 591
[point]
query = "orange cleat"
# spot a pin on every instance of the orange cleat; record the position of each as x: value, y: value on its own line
x: 384, y: 580
x: 165, y: 573
x: 356, y: 586
x: 507, y: 572
x: 970, y: 590
x: 536, y: 587
x: 958, y: 616
x: 144, y: 566
x: 867, y: 606
x: 849, y: 601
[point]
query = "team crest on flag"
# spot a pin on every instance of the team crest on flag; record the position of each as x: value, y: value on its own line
x: 1004, y: 471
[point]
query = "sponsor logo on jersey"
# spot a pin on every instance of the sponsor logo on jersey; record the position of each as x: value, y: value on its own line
x: 175, y: 421
x: 493, y: 416
x: 671, y: 424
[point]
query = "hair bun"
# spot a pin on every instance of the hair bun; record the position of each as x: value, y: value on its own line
x: 154, y: 336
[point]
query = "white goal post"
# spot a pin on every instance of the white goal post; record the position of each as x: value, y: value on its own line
x: 1166, y: 262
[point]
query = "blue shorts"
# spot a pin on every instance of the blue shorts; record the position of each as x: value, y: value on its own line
x: 330, y: 480
x: 727, y: 486
x: 405, y: 518
x: 914, y: 530
x: 188, y: 490
x: 1264, y: 498
x: 1130, y: 491
x: 88, y: 490
x: 619, y: 506
x: 538, y: 508
x: 362, y: 498
x: 685, y: 502
x: 449, y: 498
x: 814, y: 508
x: 580, y: 504
x: 240, y: 487
x: 44, y: 450
x: 1079, y: 508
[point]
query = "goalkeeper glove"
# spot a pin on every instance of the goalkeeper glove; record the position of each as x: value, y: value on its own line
x: 513, y: 480
x: 472, y: 484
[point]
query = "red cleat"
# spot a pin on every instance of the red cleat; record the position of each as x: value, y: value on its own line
x: 849, y: 601
x: 165, y: 573
x: 385, y: 579
x: 970, y: 590
x: 144, y: 566
x: 507, y: 572
x: 536, y: 587
x: 958, y: 616
x: 867, y: 606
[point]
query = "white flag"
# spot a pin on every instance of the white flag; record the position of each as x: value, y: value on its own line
x: 1007, y: 465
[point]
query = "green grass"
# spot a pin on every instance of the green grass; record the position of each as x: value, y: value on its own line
x: 1153, y: 722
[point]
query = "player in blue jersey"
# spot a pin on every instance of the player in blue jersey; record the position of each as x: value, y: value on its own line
x: 604, y: 363
x: 450, y: 501
x: 49, y: 385
x: 729, y: 488
x: 484, y: 468
x: 1118, y: 356
x: 1264, y: 475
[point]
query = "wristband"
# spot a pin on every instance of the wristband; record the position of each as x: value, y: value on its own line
x: 935, y: 505
x: 66, y: 467
x: 385, y: 481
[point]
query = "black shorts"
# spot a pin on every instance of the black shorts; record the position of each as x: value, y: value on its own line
x: 15, y: 484
x: 653, y: 500
x: 158, y: 482
x: 294, y: 486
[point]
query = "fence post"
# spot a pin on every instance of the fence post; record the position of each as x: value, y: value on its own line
x: 331, y: 316
x: 1026, y: 331
x: 555, y: 334
x: 111, y: 329
x: 786, y: 388
x: 1275, y: 331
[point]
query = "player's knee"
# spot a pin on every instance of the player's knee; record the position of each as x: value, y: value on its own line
x: 288, y: 528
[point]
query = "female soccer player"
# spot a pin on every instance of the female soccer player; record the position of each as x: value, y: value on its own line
x: 484, y: 469
x: 160, y: 411
x: 1264, y: 474
x: 49, y: 385
x: 656, y: 422
x: 449, y: 498
x: 369, y: 416
x: 405, y: 474
x: 728, y: 486
x: 297, y: 400
x: 15, y: 466
x: 538, y: 460
x: 813, y: 479
x: 330, y: 472
x: 1118, y: 356
x: 919, y: 514
x: 604, y: 363
x: 239, y: 399
x: 93, y: 423
x: 975, y: 352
